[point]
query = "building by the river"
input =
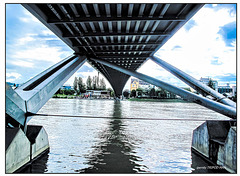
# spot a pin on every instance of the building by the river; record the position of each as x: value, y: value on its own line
x: 98, y: 93
x: 137, y: 83
x: 225, y: 89
x: 67, y: 87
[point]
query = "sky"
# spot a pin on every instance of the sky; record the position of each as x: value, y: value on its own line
x: 204, y: 47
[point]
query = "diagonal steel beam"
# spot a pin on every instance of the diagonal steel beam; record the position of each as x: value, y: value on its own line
x: 194, y: 83
x: 31, y: 96
x: 218, y: 107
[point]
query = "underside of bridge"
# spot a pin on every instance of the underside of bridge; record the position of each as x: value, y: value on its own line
x: 124, y: 34
x: 116, y: 39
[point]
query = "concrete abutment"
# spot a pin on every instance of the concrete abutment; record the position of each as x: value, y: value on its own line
x: 22, y: 148
x: 215, y: 141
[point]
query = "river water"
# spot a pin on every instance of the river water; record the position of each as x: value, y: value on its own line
x: 123, y: 137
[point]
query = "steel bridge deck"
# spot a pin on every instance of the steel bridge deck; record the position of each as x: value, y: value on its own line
x: 124, y: 34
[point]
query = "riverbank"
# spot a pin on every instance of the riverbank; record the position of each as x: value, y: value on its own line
x: 62, y: 96
x: 158, y: 100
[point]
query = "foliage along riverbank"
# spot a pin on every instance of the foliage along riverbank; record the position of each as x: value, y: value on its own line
x: 130, y: 99
x: 158, y: 100
x: 64, y: 96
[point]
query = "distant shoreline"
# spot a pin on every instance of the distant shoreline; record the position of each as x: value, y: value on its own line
x: 159, y: 100
x: 172, y: 100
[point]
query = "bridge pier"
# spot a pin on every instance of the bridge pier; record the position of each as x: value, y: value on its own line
x: 22, y: 149
x: 216, y: 142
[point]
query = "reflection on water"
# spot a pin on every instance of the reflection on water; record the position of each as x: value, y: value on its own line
x: 115, y: 154
x: 39, y: 165
x: 118, y: 145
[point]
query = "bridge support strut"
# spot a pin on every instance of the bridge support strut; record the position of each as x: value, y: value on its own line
x: 194, y: 83
x: 216, y: 106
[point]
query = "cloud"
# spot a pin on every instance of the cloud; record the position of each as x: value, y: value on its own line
x: 203, y: 51
x: 150, y: 68
x: 86, y: 68
x: 216, y: 61
x: 176, y: 47
x: 12, y: 76
x: 26, y: 39
x: 33, y: 46
x: 22, y: 63
x: 190, y: 24
x: 42, y: 53
x: 29, y: 18
x: 47, y: 32
x: 228, y: 33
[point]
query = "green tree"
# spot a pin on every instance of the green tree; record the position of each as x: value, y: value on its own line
x: 94, y: 83
x: 152, y: 92
x: 172, y: 95
x: 111, y: 92
x: 62, y: 91
x: 75, y: 84
x: 58, y: 91
x: 210, y: 84
x: 126, y: 93
x: 158, y: 92
x: 165, y: 93
x: 133, y: 93
x: 187, y: 88
x: 69, y: 92
x: 162, y: 93
x: 81, y: 85
x: 97, y: 82
x: 89, y: 83
x: 102, y: 85
x: 139, y: 91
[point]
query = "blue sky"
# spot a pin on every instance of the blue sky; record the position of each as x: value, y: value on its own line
x: 204, y: 47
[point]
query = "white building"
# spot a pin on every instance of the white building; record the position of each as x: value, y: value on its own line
x: 98, y: 93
